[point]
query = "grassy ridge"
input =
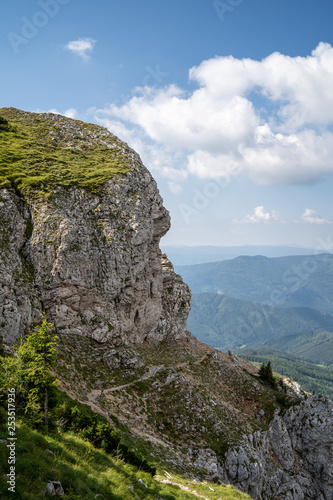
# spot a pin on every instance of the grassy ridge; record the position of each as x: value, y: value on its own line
x: 41, y: 151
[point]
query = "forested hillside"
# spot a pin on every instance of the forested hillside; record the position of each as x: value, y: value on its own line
x: 269, y: 308
x: 295, y: 281
x: 311, y: 377
x: 227, y: 323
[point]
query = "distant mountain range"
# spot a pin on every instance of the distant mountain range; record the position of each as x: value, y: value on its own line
x: 284, y: 303
x: 227, y: 323
x: 186, y: 255
x: 293, y: 281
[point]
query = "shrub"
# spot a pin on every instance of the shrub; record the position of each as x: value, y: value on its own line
x: 4, y: 125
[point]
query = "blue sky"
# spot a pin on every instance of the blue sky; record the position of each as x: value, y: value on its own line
x: 228, y: 102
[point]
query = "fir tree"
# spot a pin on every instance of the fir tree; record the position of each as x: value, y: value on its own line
x: 266, y: 374
x: 35, y: 359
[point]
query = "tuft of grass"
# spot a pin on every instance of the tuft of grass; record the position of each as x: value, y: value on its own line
x: 39, y: 152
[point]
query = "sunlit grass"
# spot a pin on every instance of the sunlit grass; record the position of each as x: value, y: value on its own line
x: 85, y: 472
x: 40, y: 152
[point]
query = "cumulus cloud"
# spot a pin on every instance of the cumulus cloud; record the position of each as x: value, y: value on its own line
x: 175, y: 188
x: 269, y: 120
x: 260, y: 216
x: 312, y: 217
x: 70, y: 112
x: 81, y: 47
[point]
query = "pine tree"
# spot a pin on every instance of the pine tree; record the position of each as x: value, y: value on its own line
x: 266, y: 374
x: 35, y: 358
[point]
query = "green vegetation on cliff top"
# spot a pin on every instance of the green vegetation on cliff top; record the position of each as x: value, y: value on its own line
x: 41, y: 151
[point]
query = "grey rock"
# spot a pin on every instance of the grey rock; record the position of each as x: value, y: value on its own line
x: 142, y: 483
x: 93, y: 263
x: 281, y: 443
x: 292, y: 460
x: 54, y: 489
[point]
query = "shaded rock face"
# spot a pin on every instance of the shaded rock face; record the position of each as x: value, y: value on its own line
x: 292, y: 460
x: 92, y: 262
x: 19, y: 302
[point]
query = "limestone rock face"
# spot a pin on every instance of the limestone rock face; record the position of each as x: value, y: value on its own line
x: 91, y: 261
x: 176, y: 300
x: 292, y: 460
x: 19, y: 302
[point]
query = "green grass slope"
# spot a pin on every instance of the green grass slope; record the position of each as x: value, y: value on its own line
x: 85, y: 471
x: 42, y: 151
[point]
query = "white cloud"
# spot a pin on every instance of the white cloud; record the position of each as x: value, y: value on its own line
x: 81, y: 47
x: 260, y: 216
x: 175, y: 188
x: 302, y: 86
x: 269, y: 120
x: 312, y: 217
x: 277, y: 158
x: 198, y: 122
x: 70, y: 112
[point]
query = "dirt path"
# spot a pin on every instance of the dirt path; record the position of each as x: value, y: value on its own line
x: 151, y: 373
x: 169, y: 480
x: 97, y: 392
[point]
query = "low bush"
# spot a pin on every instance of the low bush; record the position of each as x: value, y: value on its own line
x: 4, y: 125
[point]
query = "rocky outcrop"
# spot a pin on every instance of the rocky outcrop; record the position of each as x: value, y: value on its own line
x: 176, y: 301
x: 19, y: 301
x: 91, y: 261
x: 292, y: 460
x: 54, y: 489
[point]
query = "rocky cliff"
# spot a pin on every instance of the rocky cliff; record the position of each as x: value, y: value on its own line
x: 89, y: 257
x: 81, y: 220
